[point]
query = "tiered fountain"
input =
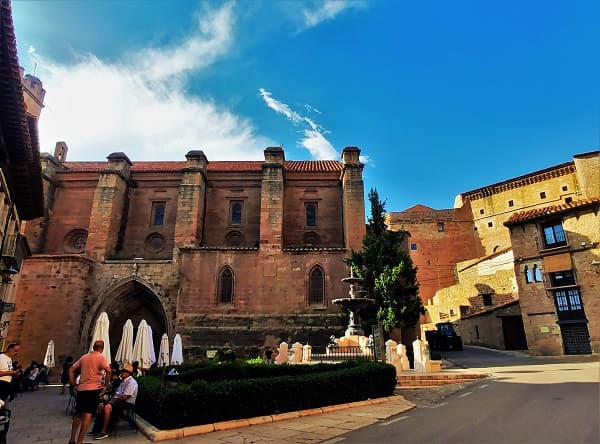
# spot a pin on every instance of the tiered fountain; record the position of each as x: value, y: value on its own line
x: 354, y: 304
x: 354, y: 340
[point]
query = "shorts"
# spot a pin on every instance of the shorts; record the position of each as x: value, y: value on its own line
x: 87, y: 401
x: 5, y: 389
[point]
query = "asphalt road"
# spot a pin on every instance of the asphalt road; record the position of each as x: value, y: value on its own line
x: 526, y: 400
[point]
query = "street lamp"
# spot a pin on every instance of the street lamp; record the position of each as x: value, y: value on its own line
x: 8, y: 273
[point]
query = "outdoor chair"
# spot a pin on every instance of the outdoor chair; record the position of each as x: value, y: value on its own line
x: 4, y: 423
x: 127, y: 416
x: 70, y: 410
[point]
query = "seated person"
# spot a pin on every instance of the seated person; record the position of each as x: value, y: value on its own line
x: 122, y: 400
x: 31, y: 375
x: 115, y: 381
x: 43, y: 375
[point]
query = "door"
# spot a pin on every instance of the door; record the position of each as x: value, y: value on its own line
x: 576, y: 339
x: 514, y: 333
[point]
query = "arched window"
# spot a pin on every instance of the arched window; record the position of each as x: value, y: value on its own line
x: 528, y: 275
x: 158, y: 213
x: 537, y: 273
x: 311, y: 214
x: 316, y: 287
x: 236, y: 213
x: 226, y: 286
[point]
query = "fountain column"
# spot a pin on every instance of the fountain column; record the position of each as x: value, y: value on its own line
x: 353, y: 303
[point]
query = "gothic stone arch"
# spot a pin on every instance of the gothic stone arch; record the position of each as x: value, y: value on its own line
x: 130, y: 298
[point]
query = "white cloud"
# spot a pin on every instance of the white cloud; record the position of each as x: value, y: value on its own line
x: 139, y: 106
x: 314, y: 139
x: 214, y: 37
x: 316, y: 143
x: 278, y: 106
x: 327, y: 10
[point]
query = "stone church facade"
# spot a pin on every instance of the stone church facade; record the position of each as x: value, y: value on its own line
x: 238, y: 253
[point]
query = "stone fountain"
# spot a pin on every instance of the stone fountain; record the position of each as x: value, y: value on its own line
x: 354, y: 304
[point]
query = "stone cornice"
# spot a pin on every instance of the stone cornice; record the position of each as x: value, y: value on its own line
x: 521, y: 181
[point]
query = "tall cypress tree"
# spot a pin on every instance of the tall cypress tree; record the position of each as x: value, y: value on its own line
x: 388, y: 273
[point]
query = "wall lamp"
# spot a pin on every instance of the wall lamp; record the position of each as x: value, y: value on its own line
x: 8, y: 273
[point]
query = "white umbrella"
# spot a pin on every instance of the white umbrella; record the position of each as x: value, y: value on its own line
x: 49, y: 358
x: 101, y: 332
x: 142, y: 348
x: 125, y: 350
x: 163, y: 353
x: 151, y: 342
x: 177, y: 356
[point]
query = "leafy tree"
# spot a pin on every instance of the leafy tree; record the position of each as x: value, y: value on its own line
x: 388, y: 273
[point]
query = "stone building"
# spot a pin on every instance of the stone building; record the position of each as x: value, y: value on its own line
x: 558, y: 274
x: 239, y: 253
x: 466, y: 256
x: 21, y: 102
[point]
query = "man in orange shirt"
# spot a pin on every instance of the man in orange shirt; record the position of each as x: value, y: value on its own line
x: 93, y: 368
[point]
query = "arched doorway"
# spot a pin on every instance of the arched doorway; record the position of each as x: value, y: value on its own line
x: 132, y: 299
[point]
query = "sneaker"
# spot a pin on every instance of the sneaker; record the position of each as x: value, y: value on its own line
x: 101, y: 436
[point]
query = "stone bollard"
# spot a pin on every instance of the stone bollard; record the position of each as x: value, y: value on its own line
x: 297, y: 353
x: 390, y: 351
x: 306, y: 354
x: 404, y: 362
x: 282, y: 353
x: 391, y: 355
x: 422, y: 359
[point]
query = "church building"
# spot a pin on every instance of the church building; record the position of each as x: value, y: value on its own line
x: 238, y: 253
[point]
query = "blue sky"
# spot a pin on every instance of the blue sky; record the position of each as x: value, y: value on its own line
x: 442, y: 97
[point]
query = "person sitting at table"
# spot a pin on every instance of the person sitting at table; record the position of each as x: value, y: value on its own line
x: 122, y: 400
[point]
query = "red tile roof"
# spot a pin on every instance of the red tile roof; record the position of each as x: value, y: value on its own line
x: 158, y: 166
x: 313, y: 165
x: 520, y: 181
x: 242, y: 165
x: 418, y: 207
x: 421, y: 214
x: 536, y: 213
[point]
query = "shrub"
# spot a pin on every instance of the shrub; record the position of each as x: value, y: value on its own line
x: 254, y: 390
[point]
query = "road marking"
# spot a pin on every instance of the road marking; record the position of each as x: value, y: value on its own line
x: 483, y: 386
x: 438, y: 405
x: 333, y: 440
x: 391, y: 421
x: 465, y: 394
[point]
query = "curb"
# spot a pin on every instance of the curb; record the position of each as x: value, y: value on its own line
x: 155, y: 435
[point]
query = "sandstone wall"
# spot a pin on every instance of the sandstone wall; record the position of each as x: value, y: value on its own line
x: 537, y: 299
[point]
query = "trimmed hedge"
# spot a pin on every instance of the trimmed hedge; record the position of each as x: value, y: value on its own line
x: 263, y: 390
x: 212, y: 371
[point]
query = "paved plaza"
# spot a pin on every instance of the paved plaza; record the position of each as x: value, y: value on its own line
x: 39, y: 417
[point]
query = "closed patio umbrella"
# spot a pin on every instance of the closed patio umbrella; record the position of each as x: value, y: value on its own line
x: 163, y: 353
x: 49, y: 357
x: 125, y: 350
x: 151, y: 342
x: 101, y: 332
x: 177, y: 356
x: 142, y: 347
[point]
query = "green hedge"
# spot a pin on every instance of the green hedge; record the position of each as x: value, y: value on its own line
x: 263, y: 390
x: 212, y: 371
